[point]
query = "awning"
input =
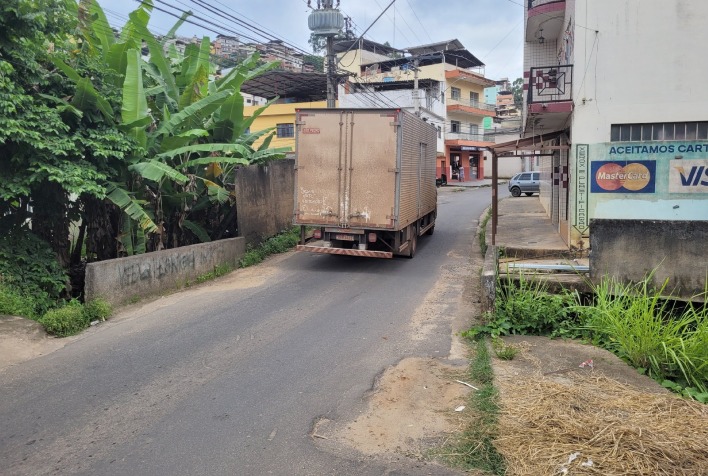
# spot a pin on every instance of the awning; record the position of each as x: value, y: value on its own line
x: 529, y: 144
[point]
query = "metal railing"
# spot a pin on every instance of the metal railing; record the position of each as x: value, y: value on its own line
x: 538, y: 3
x: 450, y: 135
x: 469, y: 102
x: 551, y: 84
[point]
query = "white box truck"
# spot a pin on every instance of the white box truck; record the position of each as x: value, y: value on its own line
x: 364, y: 181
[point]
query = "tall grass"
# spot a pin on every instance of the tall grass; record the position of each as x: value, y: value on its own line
x: 667, y: 341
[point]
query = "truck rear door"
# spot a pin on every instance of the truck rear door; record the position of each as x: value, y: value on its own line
x: 346, y: 168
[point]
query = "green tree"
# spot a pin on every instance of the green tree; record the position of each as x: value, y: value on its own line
x: 318, y: 43
x: 517, y: 88
x: 316, y: 61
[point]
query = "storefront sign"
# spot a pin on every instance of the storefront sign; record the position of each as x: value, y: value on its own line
x: 469, y: 148
x: 688, y: 176
x: 624, y: 176
x: 581, y: 188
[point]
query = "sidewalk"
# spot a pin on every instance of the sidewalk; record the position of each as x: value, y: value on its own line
x: 528, y: 244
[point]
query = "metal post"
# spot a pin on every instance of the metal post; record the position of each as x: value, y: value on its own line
x: 495, y: 196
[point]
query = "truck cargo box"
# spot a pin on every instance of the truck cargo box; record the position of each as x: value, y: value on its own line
x: 365, y: 173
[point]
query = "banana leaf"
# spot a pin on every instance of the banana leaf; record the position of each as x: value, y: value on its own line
x: 134, y: 106
x: 201, y: 108
x: 155, y: 170
x: 130, y: 207
x: 87, y: 98
x: 100, y: 27
x: 117, y: 59
x: 198, y: 231
x: 215, y: 160
x: 266, y: 155
x: 140, y: 18
x: 243, y: 151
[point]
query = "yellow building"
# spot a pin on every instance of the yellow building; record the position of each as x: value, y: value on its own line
x: 294, y: 90
x: 280, y: 117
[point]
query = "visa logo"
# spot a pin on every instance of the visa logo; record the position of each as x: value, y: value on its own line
x: 692, y: 178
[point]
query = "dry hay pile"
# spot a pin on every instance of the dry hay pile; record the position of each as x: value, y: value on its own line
x: 597, y: 426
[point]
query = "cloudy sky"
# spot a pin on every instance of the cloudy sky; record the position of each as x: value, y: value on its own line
x: 491, y: 29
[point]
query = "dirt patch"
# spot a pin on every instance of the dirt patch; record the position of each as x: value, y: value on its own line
x: 414, y: 402
x: 23, y: 339
x: 570, y: 408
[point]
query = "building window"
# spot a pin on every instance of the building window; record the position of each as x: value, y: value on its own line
x: 439, y: 132
x: 455, y: 93
x: 455, y: 126
x: 474, y: 129
x: 686, y: 131
x: 474, y: 98
x: 285, y: 130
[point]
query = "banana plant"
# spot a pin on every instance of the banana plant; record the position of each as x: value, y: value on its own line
x: 189, y: 127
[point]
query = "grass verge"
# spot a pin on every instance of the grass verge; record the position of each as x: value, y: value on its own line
x: 482, y: 233
x: 277, y: 244
x: 474, y: 449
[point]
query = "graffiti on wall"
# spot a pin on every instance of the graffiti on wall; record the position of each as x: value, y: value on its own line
x: 157, y: 268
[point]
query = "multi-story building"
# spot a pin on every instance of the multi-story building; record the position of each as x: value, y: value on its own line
x: 615, y: 91
x: 450, y: 94
x: 226, y: 45
x: 277, y: 50
x: 615, y: 119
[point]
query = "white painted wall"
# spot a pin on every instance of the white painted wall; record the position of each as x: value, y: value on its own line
x: 645, y: 64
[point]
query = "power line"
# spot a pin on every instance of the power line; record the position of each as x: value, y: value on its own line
x: 419, y: 22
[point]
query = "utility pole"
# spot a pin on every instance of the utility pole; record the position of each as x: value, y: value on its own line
x: 331, y: 76
x: 416, y: 91
x: 328, y: 21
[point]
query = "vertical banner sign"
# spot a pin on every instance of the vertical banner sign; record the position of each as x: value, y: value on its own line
x: 581, y: 188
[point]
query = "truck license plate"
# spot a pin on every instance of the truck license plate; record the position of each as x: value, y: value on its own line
x: 344, y: 237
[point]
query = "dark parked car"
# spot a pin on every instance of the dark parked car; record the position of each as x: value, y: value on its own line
x: 526, y: 182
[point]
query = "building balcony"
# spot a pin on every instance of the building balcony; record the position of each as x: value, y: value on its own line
x: 461, y: 138
x: 459, y: 75
x: 544, y: 20
x: 550, y: 96
x: 467, y: 106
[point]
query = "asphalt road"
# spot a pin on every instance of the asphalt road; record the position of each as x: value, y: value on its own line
x: 228, y: 378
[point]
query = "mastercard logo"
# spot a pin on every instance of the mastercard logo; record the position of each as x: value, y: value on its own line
x: 633, y: 177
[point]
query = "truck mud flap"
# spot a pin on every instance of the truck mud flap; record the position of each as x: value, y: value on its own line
x: 343, y: 251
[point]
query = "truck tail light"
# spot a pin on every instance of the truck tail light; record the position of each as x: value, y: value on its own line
x: 372, y: 237
x: 317, y: 234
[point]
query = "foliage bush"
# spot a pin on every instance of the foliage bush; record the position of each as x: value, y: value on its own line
x: 15, y: 303
x: 65, y: 321
x: 97, y: 310
x: 74, y: 317
x: 524, y: 306
x: 29, y: 271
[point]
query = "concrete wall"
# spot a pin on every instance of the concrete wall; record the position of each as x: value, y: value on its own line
x: 631, y: 249
x: 264, y: 199
x: 121, y: 280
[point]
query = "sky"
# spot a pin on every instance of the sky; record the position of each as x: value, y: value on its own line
x: 492, y: 30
